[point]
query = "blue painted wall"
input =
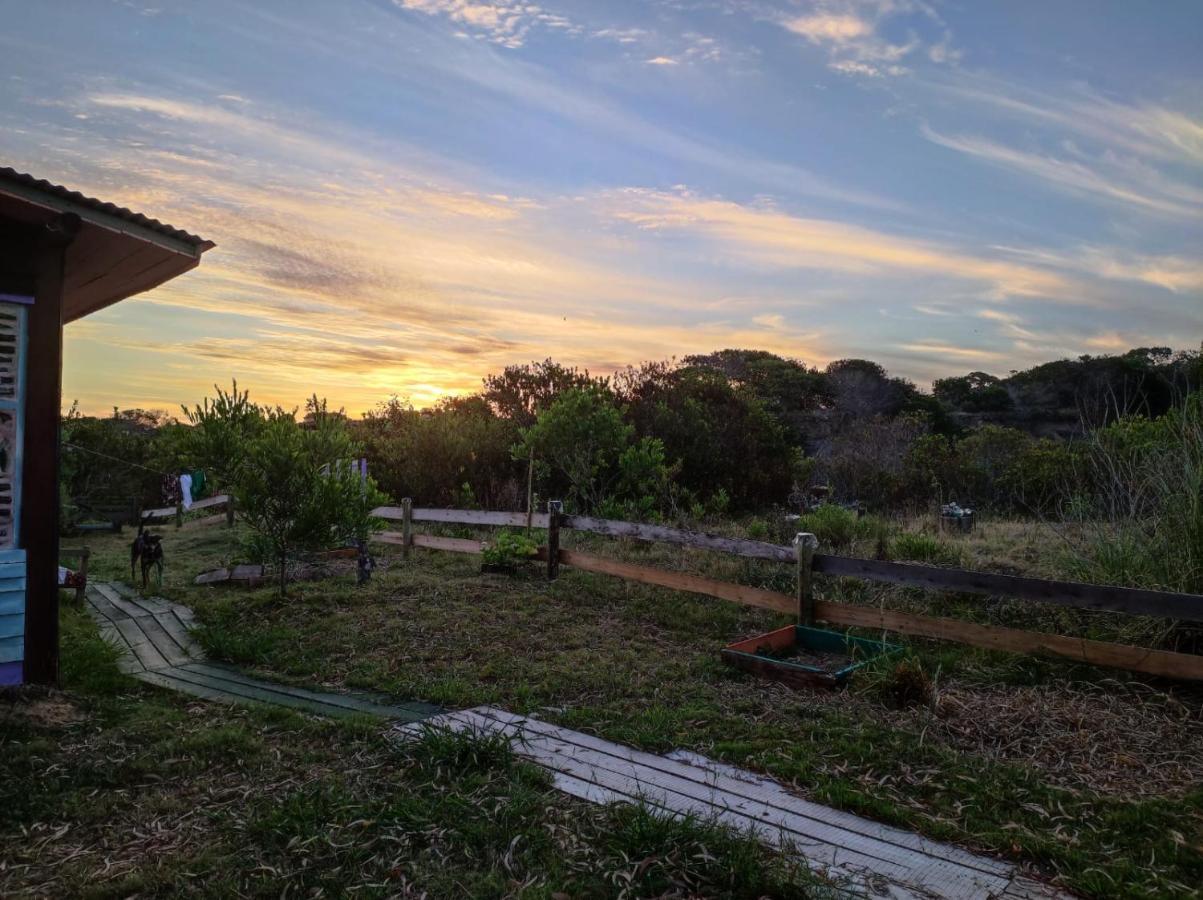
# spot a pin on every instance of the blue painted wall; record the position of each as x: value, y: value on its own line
x: 12, y: 616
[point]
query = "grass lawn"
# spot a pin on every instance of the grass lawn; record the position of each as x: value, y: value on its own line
x: 1087, y: 776
x: 113, y: 789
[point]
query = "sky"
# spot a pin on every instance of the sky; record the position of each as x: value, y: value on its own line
x: 407, y: 195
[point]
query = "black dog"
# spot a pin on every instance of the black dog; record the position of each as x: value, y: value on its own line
x: 148, y: 548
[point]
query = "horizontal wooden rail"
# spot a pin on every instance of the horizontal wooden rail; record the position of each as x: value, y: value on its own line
x: 218, y: 519
x: 1133, y: 601
x: 680, y: 581
x: 462, y: 516
x: 216, y: 500
x: 992, y: 637
x: 430, y: 541
x: 662, y: 533
x: 166, y: 512
x: 1118, y: 656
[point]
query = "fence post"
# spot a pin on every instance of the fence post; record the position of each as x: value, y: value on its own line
x: 805, y: 546
x: 554, y: 510
x: 229, y: 510
x: 80, y: 592
x: 407, y: 526
x: 179, y: 514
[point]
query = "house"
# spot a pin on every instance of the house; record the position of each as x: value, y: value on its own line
x: 63, y: 256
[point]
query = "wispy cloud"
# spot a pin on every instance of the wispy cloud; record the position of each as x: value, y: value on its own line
x: 504, y: 22
x: 1107, y: 176
x: 854, y: 35
x: 767, y: 236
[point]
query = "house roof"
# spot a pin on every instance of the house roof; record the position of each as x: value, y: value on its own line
x: 117, y: 252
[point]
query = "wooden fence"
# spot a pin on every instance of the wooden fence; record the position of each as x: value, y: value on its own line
x: 167, y: 513
x: 1130, y: 601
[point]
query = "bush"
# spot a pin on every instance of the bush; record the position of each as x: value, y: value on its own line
x: 833, y: 525
x: 900, y: 683
x: 508, y: 548
x: 924, y: 548
x: 294, y: 493
x: 1146, y: 528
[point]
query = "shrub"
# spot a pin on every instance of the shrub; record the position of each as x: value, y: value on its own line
x: 508, y: 548
x: 292, y: 491
x: 833, y: 525
x: 924, y: 548
x: 1147, y: 524
x: 900, y: 683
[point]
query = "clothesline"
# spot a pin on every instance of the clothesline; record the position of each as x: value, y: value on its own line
x: 124, y: 462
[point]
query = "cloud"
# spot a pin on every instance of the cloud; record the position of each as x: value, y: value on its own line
x: 854, y: 36
x: 821, y: 28
x: 1115, y: 179
x: 504, y: 22
x: 766, y: 236
x: 936, y: 349
x: 663, y: 61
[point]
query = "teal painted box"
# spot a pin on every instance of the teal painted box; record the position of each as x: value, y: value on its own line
x: 820, y: 657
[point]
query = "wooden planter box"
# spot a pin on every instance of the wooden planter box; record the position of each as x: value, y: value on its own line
x: 769, y: 655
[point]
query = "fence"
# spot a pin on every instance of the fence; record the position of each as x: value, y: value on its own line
x: 1130, y: 601
x: 166, y: 513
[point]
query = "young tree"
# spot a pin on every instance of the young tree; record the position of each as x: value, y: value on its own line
x: 296, y: 491
x: 221, y: 429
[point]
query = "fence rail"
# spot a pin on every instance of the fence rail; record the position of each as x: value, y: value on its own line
x: 1131, y: 601
x: 152, y: 516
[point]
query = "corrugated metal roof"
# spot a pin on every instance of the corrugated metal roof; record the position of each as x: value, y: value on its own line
x: 12, y: 176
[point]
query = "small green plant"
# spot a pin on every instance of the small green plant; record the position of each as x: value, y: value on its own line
x: 924, y: 548
x: 758, y: 530
x: 509, y: 548
x: 834, y: 526
x: 898, y: 682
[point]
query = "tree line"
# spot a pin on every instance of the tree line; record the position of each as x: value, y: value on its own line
x: 730, y: 432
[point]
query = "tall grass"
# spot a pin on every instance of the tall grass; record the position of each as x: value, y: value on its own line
x: 1145, y: 527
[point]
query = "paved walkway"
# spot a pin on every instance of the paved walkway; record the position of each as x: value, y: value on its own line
x: 865, y: 857
x: 158, y: 649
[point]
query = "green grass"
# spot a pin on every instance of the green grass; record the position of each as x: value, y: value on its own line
x: 113, y: 789
x: 640, y: 665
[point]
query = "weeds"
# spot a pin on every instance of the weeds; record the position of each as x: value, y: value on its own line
x: 925, y: 549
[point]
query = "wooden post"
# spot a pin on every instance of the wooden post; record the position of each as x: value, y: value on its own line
x: 230, y: 511
x: 555, y: 509
x: 81, y: 591
x: 805, y: 546
x: 407, y: 527
x: 530, y: 495
x: 179, y: 515
x: 40, y: 459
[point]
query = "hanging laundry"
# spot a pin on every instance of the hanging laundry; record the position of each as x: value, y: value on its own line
x: 199, y: 484
x: 171, y: 490
x: 186, y: 490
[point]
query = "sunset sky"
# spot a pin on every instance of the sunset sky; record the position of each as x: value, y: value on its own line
x: 409, y: 195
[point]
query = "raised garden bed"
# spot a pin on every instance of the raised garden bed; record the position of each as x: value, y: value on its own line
x: 801, y: 656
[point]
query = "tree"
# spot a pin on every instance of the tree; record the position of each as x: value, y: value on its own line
x: 722, y: 439
x: 520, y: 393
x: 221, y: 429
x: 975, y: 392
x: 579, y: 438
x: 296, y: 491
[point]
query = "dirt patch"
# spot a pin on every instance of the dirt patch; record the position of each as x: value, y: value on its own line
x: 37, y: 706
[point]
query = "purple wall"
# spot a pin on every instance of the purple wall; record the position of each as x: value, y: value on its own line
x: 11, y: 673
